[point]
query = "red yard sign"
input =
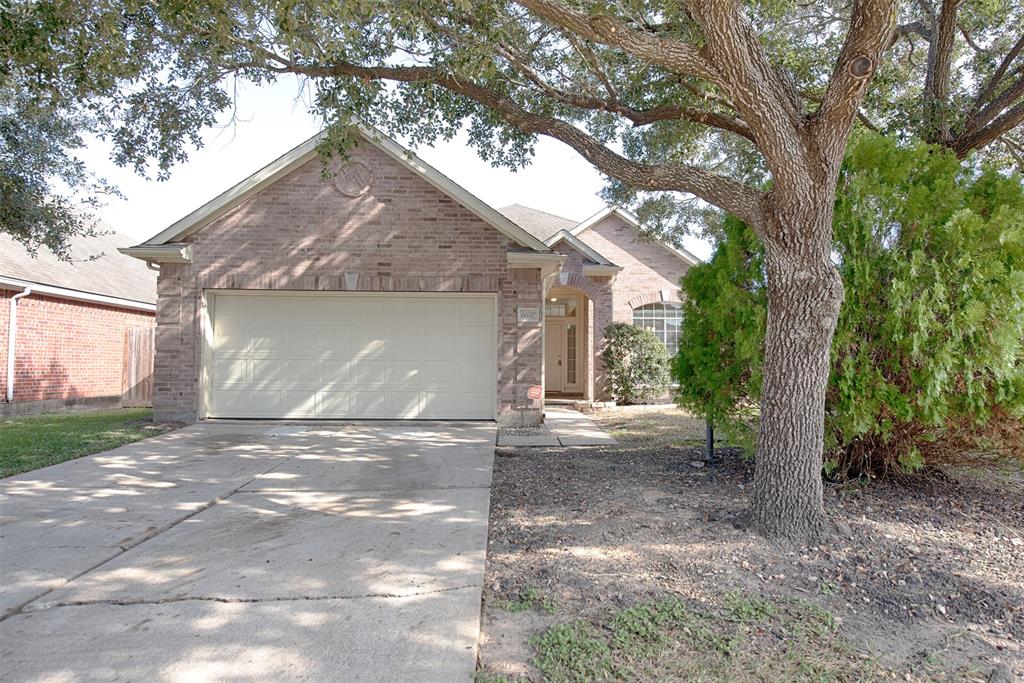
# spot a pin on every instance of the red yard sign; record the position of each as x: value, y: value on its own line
x: 534, y: 392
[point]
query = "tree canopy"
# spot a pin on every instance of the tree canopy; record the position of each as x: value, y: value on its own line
x: 641, y: 89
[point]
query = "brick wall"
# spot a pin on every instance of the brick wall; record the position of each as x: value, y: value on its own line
x: 302, y: 233
x: 65, y: 349
x: 648, y: 267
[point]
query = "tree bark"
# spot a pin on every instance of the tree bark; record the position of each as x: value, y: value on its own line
x: 804, y: 296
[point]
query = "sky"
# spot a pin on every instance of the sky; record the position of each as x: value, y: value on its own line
x: 270, y: 120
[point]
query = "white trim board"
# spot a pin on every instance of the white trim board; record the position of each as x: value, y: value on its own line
x: 580, y: 246
x: 76, y: 295
x: 305, y: 152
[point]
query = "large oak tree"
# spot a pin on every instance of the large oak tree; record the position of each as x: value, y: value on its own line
x: 747, y: 107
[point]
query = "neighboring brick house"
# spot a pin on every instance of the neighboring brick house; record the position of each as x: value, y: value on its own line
x: 390, y: 292
x: 71, y: 321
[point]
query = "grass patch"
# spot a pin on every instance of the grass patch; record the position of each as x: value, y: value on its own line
x: 663, y: 428
x: 527, y: 599
x: 745, y: 638
x: 28, y: 443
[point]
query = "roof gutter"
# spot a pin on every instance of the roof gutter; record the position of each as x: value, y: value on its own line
x: 12, y: 337
x: 75, y: 295
x: 172, y: 252
x: 547, y: 262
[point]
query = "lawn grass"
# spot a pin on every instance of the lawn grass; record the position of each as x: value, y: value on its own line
x: 28, y: 443
x: 746, y: 638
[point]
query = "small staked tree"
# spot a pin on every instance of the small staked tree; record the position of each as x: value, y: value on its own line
x: 746, y: 106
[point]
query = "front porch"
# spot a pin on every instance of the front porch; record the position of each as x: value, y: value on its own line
x: 575, y: 312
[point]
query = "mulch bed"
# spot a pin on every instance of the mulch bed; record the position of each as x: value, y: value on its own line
x: 927, y: 576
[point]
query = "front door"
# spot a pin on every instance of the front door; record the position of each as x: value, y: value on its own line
x: 554, y: 355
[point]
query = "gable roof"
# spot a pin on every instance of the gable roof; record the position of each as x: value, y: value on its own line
x: 540, y: 224
x: 632, y: 221
x: 307, y: 151
x: 579, y: 245
x: 96, y: 267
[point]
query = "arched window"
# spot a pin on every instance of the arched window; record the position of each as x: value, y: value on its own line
x: 663, y: 319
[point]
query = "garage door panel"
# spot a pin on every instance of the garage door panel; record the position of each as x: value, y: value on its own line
x: 333, y: 373
x: 368, y: 403
x: 359, y: 356
x: 476, y: 341
x: 468, y: 401
x: 473, y: 375
x: 266, y: 371
x: 265, y: 402
x: 369, y: 342
x: 334, y: 404
x: 403, y: 404
x: 475, y: 310
x: 298, y: 403
x: 441, y: 311
x: 438, y: 342
x: 371, y: 372
x: 269, y: 340
x: 409, y: 311
x: 232, y: 402
x: 404, y: 342
x: 231, y: 336
x: 302, y: 371
x: 440, y: 403
x: 229, y: 371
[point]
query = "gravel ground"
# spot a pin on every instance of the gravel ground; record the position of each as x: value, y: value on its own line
x: 927, y: 576
x: 538, y: 430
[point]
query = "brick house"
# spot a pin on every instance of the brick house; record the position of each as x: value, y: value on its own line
x: 70, y: 322
x: 390, y: 292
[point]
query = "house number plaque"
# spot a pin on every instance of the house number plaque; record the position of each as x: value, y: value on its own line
x: 529, y: 315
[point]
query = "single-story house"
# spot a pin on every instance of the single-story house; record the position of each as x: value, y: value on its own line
x: 388, y: 291
x: 68, y: 327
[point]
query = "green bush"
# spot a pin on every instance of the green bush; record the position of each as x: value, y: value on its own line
x: 931, y: 332
x: 637, y: 364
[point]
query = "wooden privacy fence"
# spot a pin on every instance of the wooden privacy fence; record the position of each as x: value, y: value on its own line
x: 137, y: 378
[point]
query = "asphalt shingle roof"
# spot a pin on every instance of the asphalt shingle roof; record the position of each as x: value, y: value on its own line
x: 540, y: 224
x: 96, y: 266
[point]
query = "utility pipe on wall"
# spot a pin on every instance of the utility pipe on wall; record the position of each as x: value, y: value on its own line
x: 12, y: 334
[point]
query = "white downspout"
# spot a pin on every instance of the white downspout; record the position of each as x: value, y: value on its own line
x: 12, y: 333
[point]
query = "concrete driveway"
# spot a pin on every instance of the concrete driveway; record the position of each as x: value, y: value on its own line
x: 250, y: 552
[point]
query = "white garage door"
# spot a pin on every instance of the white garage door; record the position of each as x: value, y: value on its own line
x: 353, y: 356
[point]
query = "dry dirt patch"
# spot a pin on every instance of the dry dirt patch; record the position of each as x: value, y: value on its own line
x: 925, y: 583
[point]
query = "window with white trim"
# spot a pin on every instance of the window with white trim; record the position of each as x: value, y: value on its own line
x: 664, y: 320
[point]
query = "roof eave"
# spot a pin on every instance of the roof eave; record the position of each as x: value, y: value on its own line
x: 579, y: 245
x: 77, y: 295
x: 305, y: 152
x: 160, y: 253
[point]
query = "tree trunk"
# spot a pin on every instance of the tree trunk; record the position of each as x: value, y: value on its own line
x: 804, y: 296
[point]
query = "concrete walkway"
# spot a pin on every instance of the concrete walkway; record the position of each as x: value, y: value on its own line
x: 248, y: 552
x: 567, y: 426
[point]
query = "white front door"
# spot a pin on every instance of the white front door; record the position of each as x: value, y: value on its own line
x: 309, y: 355
x: 554, y: 355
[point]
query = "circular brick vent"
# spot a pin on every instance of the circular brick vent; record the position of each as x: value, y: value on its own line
x: 354, y: 179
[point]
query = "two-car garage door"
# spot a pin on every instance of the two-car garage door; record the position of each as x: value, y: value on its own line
x: 352, y: 356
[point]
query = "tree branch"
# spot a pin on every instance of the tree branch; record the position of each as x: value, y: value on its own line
x: 937, y: 73
x: 639, y: 117
x: 965, y: 144
x: 993, y: 83
x: 1005, y: 99
x: 910, y: 28
x: 871, y: 26
x: 735, y: 197
x: 672, y: 54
